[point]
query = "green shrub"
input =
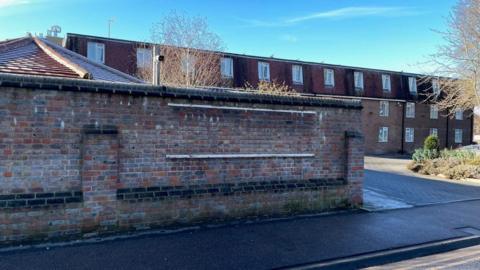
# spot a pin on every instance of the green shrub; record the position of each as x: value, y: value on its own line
x: 423, y: 154
x: 431, y: 143
x: 460, y: 155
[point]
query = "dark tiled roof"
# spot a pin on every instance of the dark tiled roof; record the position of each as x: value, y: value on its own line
x: 34, y: 56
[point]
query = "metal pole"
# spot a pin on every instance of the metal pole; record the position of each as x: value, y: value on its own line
x: 154, y: 65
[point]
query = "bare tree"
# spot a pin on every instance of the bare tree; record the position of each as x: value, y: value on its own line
x: 191, y: 51
x: 458, y: 60
x: 272, y: 87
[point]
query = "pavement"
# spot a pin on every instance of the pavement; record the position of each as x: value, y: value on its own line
x: 438, y: 210
x: 461, y: 259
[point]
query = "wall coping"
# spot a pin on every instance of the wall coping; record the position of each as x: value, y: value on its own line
x: 215, y: 94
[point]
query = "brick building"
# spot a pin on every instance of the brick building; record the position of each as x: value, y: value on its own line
x: 396, y: 118
x: 88, y: 149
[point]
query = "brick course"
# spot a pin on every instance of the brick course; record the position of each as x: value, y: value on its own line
x: 111, y: 143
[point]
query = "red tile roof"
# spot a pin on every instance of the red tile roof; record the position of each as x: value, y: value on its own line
x: 25, y: 56
x: 35, y: 56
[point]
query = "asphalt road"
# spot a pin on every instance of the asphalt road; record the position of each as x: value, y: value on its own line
x: 280, y: 243
x: 388, y: 182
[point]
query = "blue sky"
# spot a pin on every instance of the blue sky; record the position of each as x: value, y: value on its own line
x: 389, y: 34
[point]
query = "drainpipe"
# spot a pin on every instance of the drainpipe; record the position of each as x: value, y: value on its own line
x: 402, y: 150
x: 471, y: 128
x: 446, y: 135
x: 402, y: 142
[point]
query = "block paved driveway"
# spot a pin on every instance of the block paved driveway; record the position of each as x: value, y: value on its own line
x: 389, y: 185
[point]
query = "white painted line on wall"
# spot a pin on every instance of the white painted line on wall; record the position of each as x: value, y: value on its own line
x: 238, y: 108
x: 208, y: 156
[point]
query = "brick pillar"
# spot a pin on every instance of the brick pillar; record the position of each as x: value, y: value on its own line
x: 354, y: 169
x: 99, y: 177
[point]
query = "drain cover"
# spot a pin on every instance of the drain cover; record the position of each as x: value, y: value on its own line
x: 470, y: 230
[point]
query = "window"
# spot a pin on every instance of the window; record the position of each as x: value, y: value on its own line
x: 459, y: 114
x: 433, y: 112
x: 297, y: 74
x: 329, y: 77
x: 434, y: 132
x: 188, y: 64
x: 435, y: 86
x: 412, y: 85
x: 358, y: 78
x: 384, y: 109
x: 96, y: 52
x: 144, y: 57
x: 263, y: 71
x: 458, y: 135
x: 409, y: 135
x: 386, y: 84
x: 410, y: 110
x: 383, y: 134
x: 226, y: 67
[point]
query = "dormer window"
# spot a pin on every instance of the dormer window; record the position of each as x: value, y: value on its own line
x: 96, y: 52
x: 358, y: 80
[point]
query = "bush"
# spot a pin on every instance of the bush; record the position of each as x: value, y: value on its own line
x: 454, y: 164
x: 423, y: 154
x: 431, y: 143
x: 463, y: 171
x: 461, y: 155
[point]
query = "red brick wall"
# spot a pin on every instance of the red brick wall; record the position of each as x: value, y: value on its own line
x: 101, y: 160
x: 421, y: 124
x: 372, y: 121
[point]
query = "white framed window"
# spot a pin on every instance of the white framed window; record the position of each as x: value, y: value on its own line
x: 144, y: 57
x: 459, y: 114
x: 412, y: 85
x: 188, y: 64
x: 458, y: 135
x: 433, y: 111
x: 383, y: 134
x: 297, y: 74
x: 96, y: 52
x: 410, y: 110
x: 384, y: 108
x: 409, y: 135
x: 226, y: 67
x: 329, y: 77
x: 435, y: 86
x: 358, y: 80
x: 434, y: 132
x: 386, y: 83
x: 263, y: 71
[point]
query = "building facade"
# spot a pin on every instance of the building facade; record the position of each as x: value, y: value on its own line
x: 87, y: 149
x: 396, y: 118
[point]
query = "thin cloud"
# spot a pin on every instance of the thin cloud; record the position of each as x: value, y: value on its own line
x: 341, y: 13
x: 10, y: 3
x: 350, y: 12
